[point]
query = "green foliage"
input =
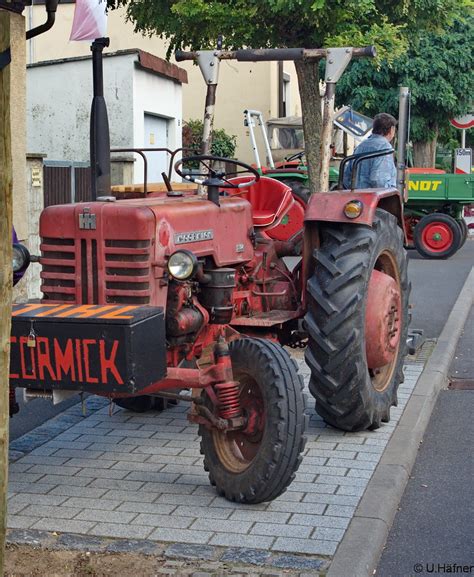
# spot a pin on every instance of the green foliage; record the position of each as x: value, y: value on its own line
x: 223, y: 144
x: 195, y: 24
x: 438, y: 69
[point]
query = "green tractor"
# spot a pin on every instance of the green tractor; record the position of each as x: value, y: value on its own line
x: 434, y: 207
x: 283, y: 141
x: 434, y: 199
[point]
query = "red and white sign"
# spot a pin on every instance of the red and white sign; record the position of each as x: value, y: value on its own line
x: 463, y: 122
x: 90, y: 20
x: 462, y: 161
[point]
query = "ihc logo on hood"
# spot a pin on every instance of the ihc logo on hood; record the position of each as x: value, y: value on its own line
x: 87, y: 220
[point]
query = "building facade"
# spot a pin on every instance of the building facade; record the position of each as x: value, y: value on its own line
x: 258, y: 86
x: 59, y: 102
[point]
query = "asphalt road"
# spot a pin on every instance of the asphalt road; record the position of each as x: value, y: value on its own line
x: 434, y: 522
x: 435, y: 287
x: 433, y: 529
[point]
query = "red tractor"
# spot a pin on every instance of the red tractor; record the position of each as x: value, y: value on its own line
x: 184, y: 291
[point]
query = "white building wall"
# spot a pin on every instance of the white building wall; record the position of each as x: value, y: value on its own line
x: 59, y: 97
x: 156, y: 95
x: 242, y: 85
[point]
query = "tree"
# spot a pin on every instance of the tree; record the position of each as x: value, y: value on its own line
x: 5, y: 271
x: 195, y: 24
x: 438, y: 69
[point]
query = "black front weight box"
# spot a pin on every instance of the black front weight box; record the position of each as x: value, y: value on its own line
x: 90, y: 348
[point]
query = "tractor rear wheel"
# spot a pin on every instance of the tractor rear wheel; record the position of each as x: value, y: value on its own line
x: 357, y: 322
x: 144, y: 403
x: 258, y: 463
x: 299, y: 189
x: 437, y: 235
x: 464, y: 231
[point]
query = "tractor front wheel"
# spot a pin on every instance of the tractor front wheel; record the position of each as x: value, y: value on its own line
x: 257, y: 463
x: 357, y: 322
x: 437, y: 235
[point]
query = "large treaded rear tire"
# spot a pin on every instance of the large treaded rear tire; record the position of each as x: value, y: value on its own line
x: 298, y: 187
x: 267, y: 370
x: 336, y: 308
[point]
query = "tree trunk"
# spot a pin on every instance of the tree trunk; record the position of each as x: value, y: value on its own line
x: 5, y: 273
x: 308, y: 81
x: 424, y: 153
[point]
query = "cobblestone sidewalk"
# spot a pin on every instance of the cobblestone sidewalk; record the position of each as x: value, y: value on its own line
x: 141, y: 477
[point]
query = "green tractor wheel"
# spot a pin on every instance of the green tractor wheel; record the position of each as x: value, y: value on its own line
x: 437, y: 236
x: 464, y: 230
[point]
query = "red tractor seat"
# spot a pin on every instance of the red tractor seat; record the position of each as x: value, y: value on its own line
x: 270, y: 199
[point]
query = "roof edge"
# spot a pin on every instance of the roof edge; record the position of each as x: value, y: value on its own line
x: 162, y: 67
x: 146, y: 61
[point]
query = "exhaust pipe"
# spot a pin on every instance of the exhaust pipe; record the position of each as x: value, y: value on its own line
x: 99, y: 128
x: 403, y: 123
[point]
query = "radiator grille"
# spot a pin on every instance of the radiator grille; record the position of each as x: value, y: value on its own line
x: 88, y: 271
x: 58, y: 270
x: 127, y: 271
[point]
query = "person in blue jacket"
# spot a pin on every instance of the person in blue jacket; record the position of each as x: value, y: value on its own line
x: 16, y: 275
x: 377, y: 172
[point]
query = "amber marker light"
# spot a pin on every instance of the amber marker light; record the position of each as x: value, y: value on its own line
x: 353, y: 209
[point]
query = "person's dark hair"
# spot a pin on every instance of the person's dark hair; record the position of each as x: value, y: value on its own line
x: 383, y: 122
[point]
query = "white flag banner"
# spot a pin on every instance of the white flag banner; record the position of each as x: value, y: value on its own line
x: 90, y: 20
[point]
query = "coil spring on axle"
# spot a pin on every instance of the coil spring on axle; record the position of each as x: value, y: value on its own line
x: 228, y: 395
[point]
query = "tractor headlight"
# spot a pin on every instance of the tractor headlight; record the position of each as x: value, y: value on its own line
x: 20, y: 257
x: 353, y: 208
x: 182, y: 264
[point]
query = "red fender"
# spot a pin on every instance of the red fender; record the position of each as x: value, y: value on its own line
x: 329, y: 206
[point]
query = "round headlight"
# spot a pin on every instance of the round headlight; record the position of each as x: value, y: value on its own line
x: 353, y: 209
x: 20, y: 257
x: 182, y: 264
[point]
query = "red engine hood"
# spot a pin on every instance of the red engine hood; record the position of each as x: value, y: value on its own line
x: 190, y: 222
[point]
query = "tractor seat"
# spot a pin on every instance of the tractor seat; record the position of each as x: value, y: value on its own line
x: 270, y: 199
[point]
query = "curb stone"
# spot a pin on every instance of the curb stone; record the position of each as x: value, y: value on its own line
x: 255, y: 559
x: 361, y: 547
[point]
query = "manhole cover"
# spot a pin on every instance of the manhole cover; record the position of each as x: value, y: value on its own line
x: 461, y: 384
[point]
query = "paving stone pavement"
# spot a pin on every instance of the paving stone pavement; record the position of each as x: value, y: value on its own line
x: 140, y: 477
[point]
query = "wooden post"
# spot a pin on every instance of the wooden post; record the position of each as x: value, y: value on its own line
x: 5, y: 273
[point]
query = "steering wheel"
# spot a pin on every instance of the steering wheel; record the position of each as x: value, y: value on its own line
x: 296, y: 156
x: 216, y: 177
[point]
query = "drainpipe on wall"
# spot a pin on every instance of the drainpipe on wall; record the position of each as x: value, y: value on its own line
x: 51, y: 6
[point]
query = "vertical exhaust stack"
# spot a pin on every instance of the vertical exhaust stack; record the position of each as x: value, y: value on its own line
x: 403, y: 123
x: 99, y: 131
